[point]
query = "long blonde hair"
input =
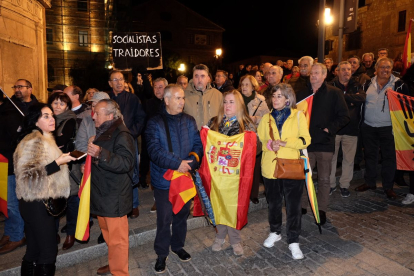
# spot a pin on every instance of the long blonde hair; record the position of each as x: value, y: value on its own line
x: 241, y: 113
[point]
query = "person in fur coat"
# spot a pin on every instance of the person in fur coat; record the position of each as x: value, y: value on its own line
x: 41, y: 173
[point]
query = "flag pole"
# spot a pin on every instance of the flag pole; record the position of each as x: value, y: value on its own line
x: 306, y: 98
x: 12, y: 102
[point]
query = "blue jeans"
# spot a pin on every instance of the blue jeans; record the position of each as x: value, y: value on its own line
x: 14, y: 225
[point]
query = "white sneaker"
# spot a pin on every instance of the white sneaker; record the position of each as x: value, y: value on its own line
x: 296, y: 252
x: 409, y: 198
x: 270, y: 241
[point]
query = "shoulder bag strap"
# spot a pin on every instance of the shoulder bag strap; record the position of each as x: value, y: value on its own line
x: 167, y: 130
x: 257, y: 108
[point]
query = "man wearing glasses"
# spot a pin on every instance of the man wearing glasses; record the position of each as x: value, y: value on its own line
x: 23, y: 96
x: 134, y: 118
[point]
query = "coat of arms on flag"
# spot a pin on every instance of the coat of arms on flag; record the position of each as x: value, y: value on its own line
x: 227, y: 175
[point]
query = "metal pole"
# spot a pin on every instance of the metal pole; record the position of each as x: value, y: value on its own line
x: 341, y: 29
x: 11, y: 102
x: 321, y: 31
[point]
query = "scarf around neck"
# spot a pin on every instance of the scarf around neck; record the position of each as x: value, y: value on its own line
x: 247, y: 100
x: 61, y: 120
x: 280, y: 117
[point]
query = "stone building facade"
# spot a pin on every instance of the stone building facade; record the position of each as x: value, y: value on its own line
x: 23, y: 45
x: 76, y: 32
x: 381, y: 24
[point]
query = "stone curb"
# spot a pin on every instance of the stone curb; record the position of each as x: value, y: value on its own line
x: 137, y: 237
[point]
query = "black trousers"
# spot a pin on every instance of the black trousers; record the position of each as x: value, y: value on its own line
x: 40, y: 230
x: 292, y: 191
x: 165, y: 217
x: 257, y: 177
x: 375, y: 138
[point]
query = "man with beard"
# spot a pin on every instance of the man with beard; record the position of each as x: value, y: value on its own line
x: 302, y: 82
x: 23, y: 96
x: 348, y: 135
x: 202, y: 100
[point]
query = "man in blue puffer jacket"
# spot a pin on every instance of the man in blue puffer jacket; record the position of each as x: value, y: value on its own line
x: 171, y: 153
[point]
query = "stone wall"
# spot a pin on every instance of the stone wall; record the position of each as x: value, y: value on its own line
x: 378, y: 22
x: 22, y: 44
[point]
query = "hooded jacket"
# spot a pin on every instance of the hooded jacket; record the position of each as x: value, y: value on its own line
x: 202, y: 105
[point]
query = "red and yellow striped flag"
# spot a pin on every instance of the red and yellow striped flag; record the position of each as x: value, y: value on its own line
x: 227, y: 174
x: 4, y: 171
x: 182, y: 189
x: 406, y: 58
x: 82, y: 224
x: 305, y: 106
x: 402, y: 113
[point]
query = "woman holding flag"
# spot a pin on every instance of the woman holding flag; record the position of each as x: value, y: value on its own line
x: 283, y: 133
x: 41, y: 174
x: 232, y: 119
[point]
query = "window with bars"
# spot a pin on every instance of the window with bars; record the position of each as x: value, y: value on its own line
x: 402, y: 17
x: 49, y: 35
x: 83, y: 38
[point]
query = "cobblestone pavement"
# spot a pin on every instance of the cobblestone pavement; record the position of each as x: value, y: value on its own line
x: 366, y: 234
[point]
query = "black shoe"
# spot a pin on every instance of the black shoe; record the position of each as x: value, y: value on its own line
x: 63, y: 230
x: 90, y: 224
x: 255, y: 200
x: 182, y: 254
x: 27, y: 268
x: 101, y: 239
x: 160, y: 265
x: 45, y: 270
x: 304, y: 211
x: 391, y: 194
x: 322, y: 216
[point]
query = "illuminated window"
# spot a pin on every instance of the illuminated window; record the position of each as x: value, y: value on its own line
x: 83, y: 38
x: 82, y: 5
x: 49, y: 36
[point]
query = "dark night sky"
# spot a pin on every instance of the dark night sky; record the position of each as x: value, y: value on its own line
x: 263, y: 27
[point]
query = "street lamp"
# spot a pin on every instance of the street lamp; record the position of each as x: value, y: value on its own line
x: 328, y: 16
x: 181, y: 68
x: 218, y: 53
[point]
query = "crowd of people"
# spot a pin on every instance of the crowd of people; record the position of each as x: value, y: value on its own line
x: 149, y: 126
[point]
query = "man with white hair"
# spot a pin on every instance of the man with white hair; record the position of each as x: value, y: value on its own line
x: 302, y: 82
x: 274, y: 76
x: 173, y: 143
x: 329, y: 115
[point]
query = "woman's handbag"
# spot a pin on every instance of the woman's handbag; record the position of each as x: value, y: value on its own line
x: 287, y: 168
x: 55, y: 206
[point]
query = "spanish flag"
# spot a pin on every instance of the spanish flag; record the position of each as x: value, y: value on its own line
x: 305, y: 106
x: 4, y: 171
x: 227, y: 174
x: 406, y: 58
x: 82, y: 224
x: 182, y: 189
x: 402, y: 113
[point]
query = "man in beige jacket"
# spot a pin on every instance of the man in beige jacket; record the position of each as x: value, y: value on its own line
x: 202, y: 101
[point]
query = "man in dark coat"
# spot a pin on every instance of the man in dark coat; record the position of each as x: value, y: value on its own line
x: 177, y: 148
x: 11, y: 121
x: 358, y: 71
x: 348, y: 135
x: 329, y: 115
x: 369, y: 64
x: 134, y: 119
x: 23, y: 96
x: 302, y: 82
x: 222, y: 82
x: 113, y: 151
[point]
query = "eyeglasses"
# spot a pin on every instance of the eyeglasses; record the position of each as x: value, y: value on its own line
x: 19, y: 86
x: 117, y: 80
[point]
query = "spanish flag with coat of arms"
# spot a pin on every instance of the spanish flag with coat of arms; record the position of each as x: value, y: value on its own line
x: 227, y: 174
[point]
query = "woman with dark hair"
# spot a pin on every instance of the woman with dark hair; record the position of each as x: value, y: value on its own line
x: 289, y: 127
x: 231, y: 120
x: 65, y: 135
x: 41, y: 174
